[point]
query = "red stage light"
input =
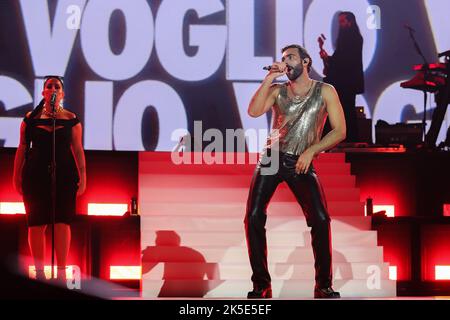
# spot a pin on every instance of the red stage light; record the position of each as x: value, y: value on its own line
x: 48, y: 272
x: 12, y: 208
x: 125, y: 272
x: 392, y: 272
x: 442, y: 272
x: 446, y: 210
x: 390, y: 210
x: 107, y: 209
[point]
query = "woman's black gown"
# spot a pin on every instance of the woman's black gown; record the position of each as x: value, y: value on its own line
x: 36, y: 178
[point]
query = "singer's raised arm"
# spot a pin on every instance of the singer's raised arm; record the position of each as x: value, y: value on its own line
x: 265, y: 96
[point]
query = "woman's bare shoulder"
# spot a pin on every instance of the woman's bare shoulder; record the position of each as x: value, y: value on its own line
x: 69, y: 114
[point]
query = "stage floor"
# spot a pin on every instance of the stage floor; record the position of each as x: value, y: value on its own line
x: 299, y: 299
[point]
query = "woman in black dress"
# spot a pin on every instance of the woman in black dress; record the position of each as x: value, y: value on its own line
x: 32, y: 176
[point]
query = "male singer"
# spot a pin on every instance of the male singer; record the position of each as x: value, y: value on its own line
x: 299, y: 109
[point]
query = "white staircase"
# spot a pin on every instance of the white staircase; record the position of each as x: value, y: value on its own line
x: 193, y: 239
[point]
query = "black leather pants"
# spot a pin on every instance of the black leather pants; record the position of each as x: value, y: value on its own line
x: 309, y: 193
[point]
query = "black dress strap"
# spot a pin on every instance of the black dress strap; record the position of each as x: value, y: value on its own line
x: 27, y: 120
x: 74, y: 121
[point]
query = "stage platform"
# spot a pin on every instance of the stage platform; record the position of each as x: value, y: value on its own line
x: 191, y: 241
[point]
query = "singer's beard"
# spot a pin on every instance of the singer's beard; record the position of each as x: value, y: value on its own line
x: 295, y: 72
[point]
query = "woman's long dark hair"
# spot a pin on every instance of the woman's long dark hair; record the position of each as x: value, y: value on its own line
x: 36, y: 111
x: 352, y: 32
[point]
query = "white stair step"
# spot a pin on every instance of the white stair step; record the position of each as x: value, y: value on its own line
x: 228, y: 181
x: 184, y: 206
x: 322, y: 168
x: 291, y: 289
x: 239, y: 254
x: 150, y: 156
x: 275, y: 238
x: 237, y: 209
x: 279, y: 223
x: 278, y: 271
x: 220, y: 195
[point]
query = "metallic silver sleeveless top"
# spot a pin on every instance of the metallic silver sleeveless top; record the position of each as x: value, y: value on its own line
x: 297, y: 123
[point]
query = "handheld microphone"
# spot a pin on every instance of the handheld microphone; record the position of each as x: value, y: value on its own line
x: 53, y: 101
x: 268, y: 68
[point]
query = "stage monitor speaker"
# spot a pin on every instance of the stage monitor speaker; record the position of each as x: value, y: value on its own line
x: 399, y: 133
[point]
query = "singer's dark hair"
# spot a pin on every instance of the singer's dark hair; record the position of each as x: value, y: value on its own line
x: 302, y: 52
x: 350, y: 16
x: 37, y: 111
x: 59, y: 78
x: 353, y: 32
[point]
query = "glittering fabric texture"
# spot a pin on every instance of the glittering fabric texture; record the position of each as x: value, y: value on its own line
x: 297, y: 123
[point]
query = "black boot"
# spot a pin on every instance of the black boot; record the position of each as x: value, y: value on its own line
x: 326, y: 293
x: 260, y: 294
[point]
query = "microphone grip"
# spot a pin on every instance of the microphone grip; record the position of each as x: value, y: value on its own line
x: 52, y: 101
x: 268, y: 68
